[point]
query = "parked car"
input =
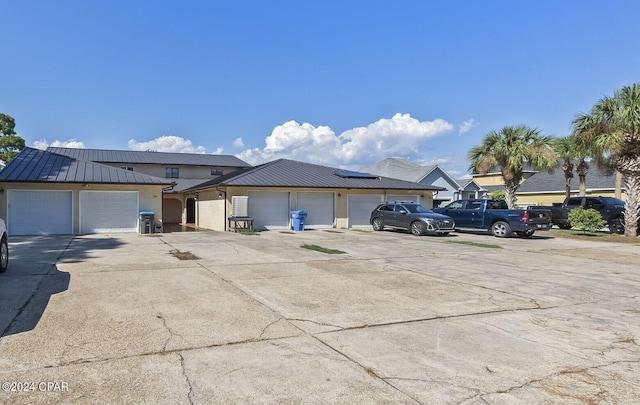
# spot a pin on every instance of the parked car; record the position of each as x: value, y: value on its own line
x: 611, y: 209
x: 416, y: 218
x: 496, y: 217
x: 4, y: 247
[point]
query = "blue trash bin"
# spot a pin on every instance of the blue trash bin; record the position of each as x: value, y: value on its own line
x: 298, y: 218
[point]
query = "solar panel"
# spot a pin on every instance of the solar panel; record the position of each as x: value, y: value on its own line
x: 348, y: 174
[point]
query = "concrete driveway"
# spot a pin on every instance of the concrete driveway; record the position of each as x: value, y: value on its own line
x: 257, y: 319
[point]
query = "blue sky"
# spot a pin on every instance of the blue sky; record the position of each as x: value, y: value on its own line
x: 341, y: 83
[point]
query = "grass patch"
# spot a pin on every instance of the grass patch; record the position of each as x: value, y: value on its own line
x: 247, y: 232
x: 476, y: 244
x: 579, y: 234
x: 323, y: 250
x: 183, y: 255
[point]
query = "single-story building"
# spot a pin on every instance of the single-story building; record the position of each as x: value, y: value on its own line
x: 333, y: 198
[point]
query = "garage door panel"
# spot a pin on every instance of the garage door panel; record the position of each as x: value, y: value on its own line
x: 269, y: 209
x: 320, y: 206
x: 359, y: 208
x: 40, y: 212
x: 108, y: 211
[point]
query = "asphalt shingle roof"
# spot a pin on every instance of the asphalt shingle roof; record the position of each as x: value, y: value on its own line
x: 399, y: 169
x: 139, y: 157
x: 554, y: 181
x: 291, y: 173
x: 34, y: 165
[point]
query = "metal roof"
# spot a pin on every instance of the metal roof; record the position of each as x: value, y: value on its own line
x: 291, y: 173
x: 160, y: 158
x: 35, y: 165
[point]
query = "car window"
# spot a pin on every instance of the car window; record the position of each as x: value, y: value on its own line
x: 594, y: 203
x: 474, y: 205
x: 416, y: 208
x: 385, y: 208
x: 399, y: 208
x: 497, y: 205
x: 456, y: 205
x: 574, y: 202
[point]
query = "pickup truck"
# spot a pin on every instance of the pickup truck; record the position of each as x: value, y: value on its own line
x: 496, y: 217
x: 611, y: 209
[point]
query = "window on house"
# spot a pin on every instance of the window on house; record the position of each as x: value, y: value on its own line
x: 129, y: 168
x: 216, y: 172
x: 172, y: 172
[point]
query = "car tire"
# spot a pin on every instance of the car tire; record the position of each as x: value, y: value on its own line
x: 4, y: 255
x: 417, y: 228
x: 378, y: 225
x: 526, y: 234
x: 500, y: 229
x: 616, y: 226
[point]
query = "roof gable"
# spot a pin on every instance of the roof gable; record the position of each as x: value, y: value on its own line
x: 35, y: 165
x: 140, y: 157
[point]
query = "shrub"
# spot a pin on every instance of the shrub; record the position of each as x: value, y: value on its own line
x: 587, y: 220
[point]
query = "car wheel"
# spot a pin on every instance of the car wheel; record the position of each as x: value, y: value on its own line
x: 4, y: 255
x: 501, y: 229
x: 417, y: 228
x: 616, y: 226
x: 526, y: 234
x: 377, y: 224
x: 565, y: 226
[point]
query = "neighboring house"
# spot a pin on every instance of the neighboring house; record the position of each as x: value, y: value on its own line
x: 81, y: 191
x: 185, y: 170
x: 333, y: 198
x: 544, y: 188
x: 432, y: 174
x: 47, y: 193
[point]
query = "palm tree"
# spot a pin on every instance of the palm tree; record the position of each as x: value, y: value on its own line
x: 509, y: 149
x: 613, y: 127
x: 565, y: 151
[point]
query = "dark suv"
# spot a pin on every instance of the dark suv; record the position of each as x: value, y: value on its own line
x: 410, y: 216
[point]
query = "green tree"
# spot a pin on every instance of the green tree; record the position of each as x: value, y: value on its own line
x: 509, y: 149
x: 10, y: 143
x: 613, y: 128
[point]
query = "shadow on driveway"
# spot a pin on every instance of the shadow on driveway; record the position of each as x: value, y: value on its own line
x: 33, y: 277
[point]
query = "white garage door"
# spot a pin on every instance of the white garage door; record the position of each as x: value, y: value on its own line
x: 359, y: 209
x: 39, y: 212
x: 108, y: 211
x: 320, y: 206
x: 269, y: 209
x: 403, y: 198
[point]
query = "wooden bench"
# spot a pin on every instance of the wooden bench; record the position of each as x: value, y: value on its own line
x: 240, y: 223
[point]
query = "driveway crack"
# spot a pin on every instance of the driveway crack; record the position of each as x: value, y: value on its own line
x: 186, y: 378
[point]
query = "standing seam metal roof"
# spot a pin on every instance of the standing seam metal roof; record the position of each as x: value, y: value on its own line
x: 291, y: 173
x: 34, y: 165
x: 140, y: 157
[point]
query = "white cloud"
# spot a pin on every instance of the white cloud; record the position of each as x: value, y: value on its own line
x: 218, y: 151
x: 399, y: 135
x: 71, y: 143
x: 466, y: 126
x: 167, y: 143
x: 238, y: 143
